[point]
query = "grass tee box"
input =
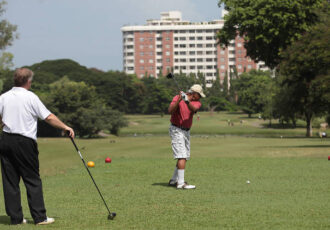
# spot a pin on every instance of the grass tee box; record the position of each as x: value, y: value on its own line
x: 288, y: 189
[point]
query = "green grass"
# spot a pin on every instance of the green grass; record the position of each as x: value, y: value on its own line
x: 211, y: 124
x: 289, y: 177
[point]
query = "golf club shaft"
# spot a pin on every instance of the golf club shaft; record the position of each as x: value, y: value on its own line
x: 90, y: 174
x: 177, y: 85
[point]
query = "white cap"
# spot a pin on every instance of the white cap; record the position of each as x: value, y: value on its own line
x: 197, y: 89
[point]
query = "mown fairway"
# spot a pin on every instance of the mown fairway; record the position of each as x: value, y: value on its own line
x: 289, y: 177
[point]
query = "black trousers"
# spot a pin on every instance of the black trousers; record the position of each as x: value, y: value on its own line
x: 19, y: 159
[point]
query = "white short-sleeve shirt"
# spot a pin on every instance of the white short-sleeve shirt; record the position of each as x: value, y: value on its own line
x: 20, y: 110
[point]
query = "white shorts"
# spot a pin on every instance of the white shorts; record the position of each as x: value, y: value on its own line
x: 180, y: 142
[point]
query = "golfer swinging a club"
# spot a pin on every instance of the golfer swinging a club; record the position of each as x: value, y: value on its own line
x: 19, y: 113
x: 182, y: 109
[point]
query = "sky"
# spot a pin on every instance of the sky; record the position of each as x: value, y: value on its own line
x: 88, y: 31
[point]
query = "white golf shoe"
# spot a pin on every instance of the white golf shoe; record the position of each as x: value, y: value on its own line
x: 185, y: 186
x: 49, y: 220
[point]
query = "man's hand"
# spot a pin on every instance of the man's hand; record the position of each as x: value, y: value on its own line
x: 184, y: 97
x: 69, y: 131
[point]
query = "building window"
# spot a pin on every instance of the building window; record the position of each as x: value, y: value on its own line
x: 141, y: 61
x: 191, y: 52
x: 141, y: 39
x: 151, y: 61
x: 151, y: 46
x: 191, y: 45
x: 167, y: 53
x: 249, y: 66
x: 239, y: 44
x: 239, y: 66
x: 168, y: 38
x: 168, y: 46
x: 168, y: 60
x: 222, y: 67
x: 141, y: 67
x: 141, y: 47
x: 141, y: 53
x: 191, y: 38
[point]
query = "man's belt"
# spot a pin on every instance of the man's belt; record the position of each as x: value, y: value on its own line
x: 180, y: 127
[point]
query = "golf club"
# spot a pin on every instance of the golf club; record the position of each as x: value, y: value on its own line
x: 171, y: 76
x: 111, y: 215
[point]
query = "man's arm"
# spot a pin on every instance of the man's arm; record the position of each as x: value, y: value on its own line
x: 174, y: 106
x: 57, y: 123
x: 192, y: 108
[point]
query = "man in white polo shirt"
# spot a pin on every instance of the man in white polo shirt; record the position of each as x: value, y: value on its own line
x: 19, y: 112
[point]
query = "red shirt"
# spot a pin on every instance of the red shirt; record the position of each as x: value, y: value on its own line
x: 182, y: 116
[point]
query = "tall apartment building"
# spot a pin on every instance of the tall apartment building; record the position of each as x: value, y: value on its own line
x: 171, y: 44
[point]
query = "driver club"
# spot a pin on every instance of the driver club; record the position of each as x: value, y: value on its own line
x: 171, y: 76
x: 111, y: 215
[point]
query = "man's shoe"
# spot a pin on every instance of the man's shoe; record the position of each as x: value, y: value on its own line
x: 185, y: 186
x: 24, y: 221
x: 47, y: 221
x: 172, y: 183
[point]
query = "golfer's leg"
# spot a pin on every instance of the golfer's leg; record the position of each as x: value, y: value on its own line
x: 182, y: 163
x: 32, y: 181
x: 11, y: 190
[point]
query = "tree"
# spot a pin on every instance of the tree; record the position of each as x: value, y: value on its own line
x: 7, y: 30
x: 78, y: 105
x: 305, y: 70
x: 7, y: 36
x: 157, y: 97
x: 267, y: 26
x: 252, y: 89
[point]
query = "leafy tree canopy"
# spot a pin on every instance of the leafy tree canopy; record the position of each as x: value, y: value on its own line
x: 267, y: 26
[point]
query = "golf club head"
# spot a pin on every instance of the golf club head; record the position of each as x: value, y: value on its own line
x: 170, y: 76
x: 112, y: 216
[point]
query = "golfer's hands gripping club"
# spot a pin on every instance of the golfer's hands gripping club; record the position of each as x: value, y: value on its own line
x: 69, y: 131
x: 184, y: 97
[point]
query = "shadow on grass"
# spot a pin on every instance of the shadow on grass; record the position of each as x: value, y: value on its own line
x: 5, y: 220
x: 280, y: 126
x: 302, y: 146
x: 163, y: 185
